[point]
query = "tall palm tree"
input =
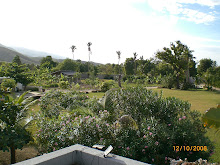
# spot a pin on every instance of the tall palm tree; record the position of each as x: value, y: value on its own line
x: 119, y: 76
x: 90, y: 52
x: 135, y: 57
x: 73, y: 48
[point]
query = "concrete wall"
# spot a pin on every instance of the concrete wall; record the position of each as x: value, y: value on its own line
x: 79, y: 155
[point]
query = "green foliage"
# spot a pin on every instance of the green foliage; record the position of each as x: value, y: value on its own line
x: 185, y: 86
x: 47, y: 62
x: 205, y: 64
x: 212, y: 117
x: 216, y: 79
x: 16, y: 60
x: 179, y: 57
x: 208, y: 78
x: 13, y: 125
x: 76, y: 86
x: 138, y: 123
x: 20, y: 73
x: 129, y: 66
x: 105, y: 86
x: 64, y: 84
x: 54, y: 102
x: 8, y: 84
x: 68, y: 64
x: 168, y: 81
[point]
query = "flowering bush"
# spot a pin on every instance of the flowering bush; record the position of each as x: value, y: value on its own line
x: 54, y: 102
x: 137, y: 122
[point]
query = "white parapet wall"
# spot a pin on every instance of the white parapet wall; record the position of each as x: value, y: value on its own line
x: 79, y: 155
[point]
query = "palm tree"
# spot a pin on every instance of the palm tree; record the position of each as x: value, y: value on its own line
x: 119, y: 76
x: 135, y: 56
x: 73, y: 48
x: 90, y: 52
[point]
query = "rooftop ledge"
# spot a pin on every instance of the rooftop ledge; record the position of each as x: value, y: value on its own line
x: 79, y: 155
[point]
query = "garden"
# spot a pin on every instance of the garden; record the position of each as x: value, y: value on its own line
x: 145, y: 109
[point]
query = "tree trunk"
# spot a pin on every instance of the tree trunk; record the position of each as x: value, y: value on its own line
x: 177, y: 82
x: 187, y: 71
x: 12, y: 155
x: 119, y: 80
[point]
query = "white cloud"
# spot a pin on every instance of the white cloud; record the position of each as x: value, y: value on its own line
x: 197, y: 17
x: 176, y: 7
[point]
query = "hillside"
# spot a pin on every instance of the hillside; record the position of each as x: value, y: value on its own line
x: 34, y: 53
x: 28, y: 56
x: 7, y: 55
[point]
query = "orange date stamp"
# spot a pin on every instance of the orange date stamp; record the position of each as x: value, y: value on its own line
x: 190, y: 148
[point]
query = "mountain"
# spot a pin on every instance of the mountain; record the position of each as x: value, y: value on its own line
x: 28, y: 56
x: 34, y: 53
x: 7, y: 55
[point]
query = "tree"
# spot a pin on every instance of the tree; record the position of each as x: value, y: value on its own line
x: 177, y: 56
x: 205, y: 64
x: 16, y: 60
x: 20, y: 73
x: 73, y: 48
x: 68, y: 64
x: 47, y: 62
x: 188, y: 58
x: 119, y: 75
x: 135, y: 56
x: 106, y: 69
x: 8, y: 83
x: 13, y: 125
x: 129, y: 66
x: 90, y: 52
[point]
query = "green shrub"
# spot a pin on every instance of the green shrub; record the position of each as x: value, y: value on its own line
x: 106, y: 86
x: 64, y: 84
x: 33, y: 88
x: 186, y: 86
x: 8, y: 84
x: 168, y: 81
x: 138, y: 123
x: 140, y: 81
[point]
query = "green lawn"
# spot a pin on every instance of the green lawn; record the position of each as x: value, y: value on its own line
x: 199, y: 99
x: 97, y: 95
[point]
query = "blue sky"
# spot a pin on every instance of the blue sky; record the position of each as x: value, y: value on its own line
x: 142, y: 26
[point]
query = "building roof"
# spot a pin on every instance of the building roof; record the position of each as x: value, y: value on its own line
x: 64, y: 72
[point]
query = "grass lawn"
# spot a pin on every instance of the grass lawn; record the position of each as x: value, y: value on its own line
x: 97, y: 95
x: 200, y: 100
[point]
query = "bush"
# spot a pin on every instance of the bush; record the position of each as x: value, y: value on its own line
x: 140, y: 81
x: 186, y: 86
x: 8, y: 84
x: 107, y: 85
x: 54, y: 102
x: 168, y: 81
x: 64, y: 84
x: 33, y: 88
x: 138, y: 123
x: 108, y: 77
